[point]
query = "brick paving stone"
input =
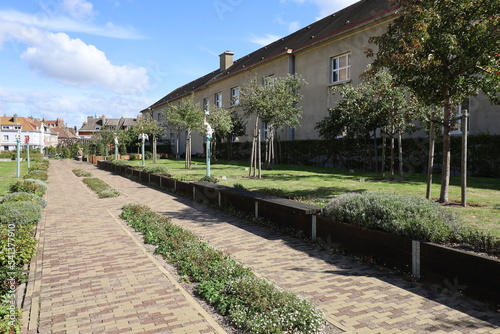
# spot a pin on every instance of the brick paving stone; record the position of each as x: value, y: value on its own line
x: 92, y: 276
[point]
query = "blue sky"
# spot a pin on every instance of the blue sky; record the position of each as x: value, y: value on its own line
x: 74, y: 58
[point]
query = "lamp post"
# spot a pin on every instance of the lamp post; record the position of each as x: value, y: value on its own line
x: 143, y: 137
x: 116, y: 147
x: 18, y: 153
x: 208, y: 136
x: 27, y: 140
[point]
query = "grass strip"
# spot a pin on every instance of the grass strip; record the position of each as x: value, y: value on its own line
x: 101, y: 188
x: 250, y: 303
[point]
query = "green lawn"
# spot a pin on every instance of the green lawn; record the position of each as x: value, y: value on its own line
x: 316, y: 185
x: 8, y: 174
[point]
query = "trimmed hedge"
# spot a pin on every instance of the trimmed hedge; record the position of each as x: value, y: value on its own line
x: 483, y: 161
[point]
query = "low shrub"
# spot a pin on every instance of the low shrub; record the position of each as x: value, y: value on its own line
x: 24, y: 197
x: 40, y: 164
x: 239, y: 186
x: 20, y: 213
x: 22, y: 238
x: 100, y: 187
x: 251, y: 304
x: 81, y: 173
x: 37, y: 187
x: 148, y: 155
x: 8, y: 155
x: 38, y: 174
x: 156, y: 169
x: 210, y: 179
x: 278, y: 192
x: 134, y: 156
x: 413, y: 217
x: 120, y: 162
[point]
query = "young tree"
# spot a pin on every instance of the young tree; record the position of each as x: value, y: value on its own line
x: 185, y: 115
x: 445, y: 51
x: 221, y: 123
x: 275, y: 103
x: 152, y: 128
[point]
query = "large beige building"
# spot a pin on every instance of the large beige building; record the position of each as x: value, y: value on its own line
x: 327, y: 53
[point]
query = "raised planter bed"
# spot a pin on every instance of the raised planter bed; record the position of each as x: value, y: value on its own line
x: 458, y: 271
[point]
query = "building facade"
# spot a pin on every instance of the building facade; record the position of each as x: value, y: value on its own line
x: 327, y: 53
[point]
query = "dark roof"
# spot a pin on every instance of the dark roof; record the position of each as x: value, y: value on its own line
x: 349, y: 18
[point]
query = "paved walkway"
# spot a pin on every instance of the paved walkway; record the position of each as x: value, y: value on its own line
x: 96, y: 278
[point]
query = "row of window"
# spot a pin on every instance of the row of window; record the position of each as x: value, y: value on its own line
x: 340, y: 71
x: 234, y: 101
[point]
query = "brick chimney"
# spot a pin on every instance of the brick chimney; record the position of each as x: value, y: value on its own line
x: 226, y: 60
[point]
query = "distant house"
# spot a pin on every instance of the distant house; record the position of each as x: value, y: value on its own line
x: 27, y: 130
x: 96, y: 124
x: 326, y: 53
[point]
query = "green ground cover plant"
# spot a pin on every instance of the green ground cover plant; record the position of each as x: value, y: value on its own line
x: 101, y: 188
x: 81, y: 173
x: 20, y: 211
x: 24, y: 197
x: 251, y: 304
x: 318, y: 185
x: 34, y: 186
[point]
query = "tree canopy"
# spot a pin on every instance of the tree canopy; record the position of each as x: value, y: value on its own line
x: 444, y: 51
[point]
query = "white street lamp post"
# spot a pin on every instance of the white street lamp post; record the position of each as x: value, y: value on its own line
x: 116, y: 147
x: 18, y: 153
x: 27, y: 140
x: 143, y: 137
x: 208, y: 136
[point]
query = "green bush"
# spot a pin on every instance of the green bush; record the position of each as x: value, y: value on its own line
x: 252, y: 304
x: 239, y: 186
x: 38, y: 174
x: 81, y: 173
x: 37, y: 187
x: 24, y: 244
x: 278, y: 192
x: 210, y: 179
x: 8, y: 155
x: 413, y: 217
x: 20, y: 213
x: 134, y: 156
x: 148, y: 155
x: 24, y: 197
x: 156, y: 169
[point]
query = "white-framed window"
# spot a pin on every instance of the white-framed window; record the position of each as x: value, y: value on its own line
x: 218, y: 100
x: 268, y: 80
x: 206, y: 104
x: 340, y: 68
x: 6, y: 137
x: 235, y: 96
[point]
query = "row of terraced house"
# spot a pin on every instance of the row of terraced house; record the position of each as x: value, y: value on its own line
x: 327, y: 53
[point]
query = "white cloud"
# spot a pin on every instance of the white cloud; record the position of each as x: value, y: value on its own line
x: 79, y: 9
x: 291, y: 26
x: 75, y: 63
x: 57, y: 23
x: 264, y: 40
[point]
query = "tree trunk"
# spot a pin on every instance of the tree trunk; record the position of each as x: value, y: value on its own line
x: 253, y: 158
x: 445, y: 172
x: 259, y: 154
x: 464, y: 157
x: 384, y: 136
x: 400, y: 149
x: 375, y: 147
x: 154, y: 149
x: 177, y: 155
x: 430, y: 160
x: 392, y: 156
